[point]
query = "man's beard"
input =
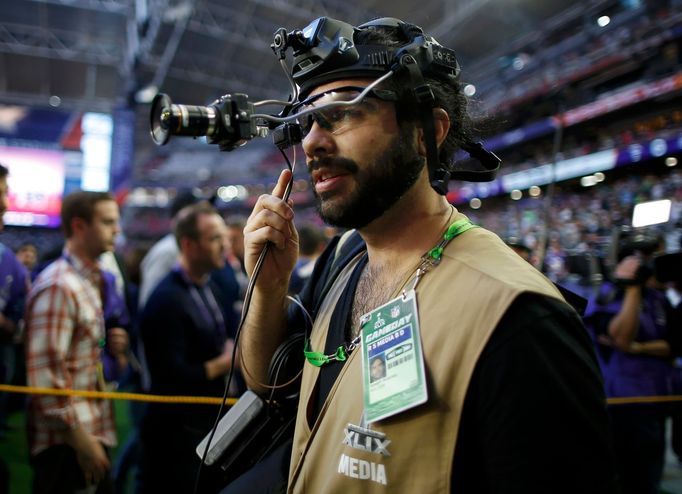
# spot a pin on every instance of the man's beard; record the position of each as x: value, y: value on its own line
x: 379, y: 184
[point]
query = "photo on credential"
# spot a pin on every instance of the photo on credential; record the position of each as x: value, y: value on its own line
x: 377, y: 368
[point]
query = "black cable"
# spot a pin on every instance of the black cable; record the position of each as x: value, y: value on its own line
x: 245, y: 310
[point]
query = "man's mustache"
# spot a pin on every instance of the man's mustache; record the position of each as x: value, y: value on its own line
x: 344, y: 164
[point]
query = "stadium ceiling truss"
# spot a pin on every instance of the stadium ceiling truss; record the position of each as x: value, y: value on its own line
x: 99, y: 54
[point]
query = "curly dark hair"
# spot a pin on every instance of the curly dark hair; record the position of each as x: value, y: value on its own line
x: 449, y: 97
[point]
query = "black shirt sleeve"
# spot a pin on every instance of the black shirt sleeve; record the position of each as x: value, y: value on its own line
x: 534, y: 418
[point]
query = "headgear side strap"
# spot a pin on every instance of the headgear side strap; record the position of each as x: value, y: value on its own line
x: 439, y: 175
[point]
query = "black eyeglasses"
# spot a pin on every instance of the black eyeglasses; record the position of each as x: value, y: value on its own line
x: 335, y: 111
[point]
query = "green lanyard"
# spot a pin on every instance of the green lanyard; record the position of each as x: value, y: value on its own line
x: 457, y: 228
x: 318, y: 359
x: 430, y: 259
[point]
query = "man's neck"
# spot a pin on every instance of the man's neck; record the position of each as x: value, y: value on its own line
x: 194, y: 273
x: 407, y: 230
x: 77, y: 249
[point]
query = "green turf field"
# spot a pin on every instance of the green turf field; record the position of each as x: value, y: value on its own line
x: 14, y: 447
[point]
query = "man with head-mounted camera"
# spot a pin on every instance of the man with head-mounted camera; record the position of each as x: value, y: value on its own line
x: 491, y: 384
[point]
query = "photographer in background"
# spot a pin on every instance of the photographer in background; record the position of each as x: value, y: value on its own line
x: 640, y: 363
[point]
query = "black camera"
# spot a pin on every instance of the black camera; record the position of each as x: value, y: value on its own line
x: 629, y: 242
x: 227, y: 121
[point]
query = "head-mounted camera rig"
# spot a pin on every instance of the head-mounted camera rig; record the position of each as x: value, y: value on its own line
x: 324, y: 51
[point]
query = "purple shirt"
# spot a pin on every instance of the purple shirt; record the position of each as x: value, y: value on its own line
x: 628, y: 374
x: 116, y: 315
x: 13, y: 285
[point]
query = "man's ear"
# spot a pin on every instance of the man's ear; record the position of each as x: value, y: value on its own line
x: 186, y: 243
x: 78, y: 224
x: 441, y: 124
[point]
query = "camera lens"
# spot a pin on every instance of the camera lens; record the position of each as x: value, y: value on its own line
x: 168, y: 119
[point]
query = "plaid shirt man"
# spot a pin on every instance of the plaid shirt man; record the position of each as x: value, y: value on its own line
x: 64, y: 329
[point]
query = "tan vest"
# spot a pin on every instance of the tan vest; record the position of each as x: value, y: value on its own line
x: 460, y: 302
